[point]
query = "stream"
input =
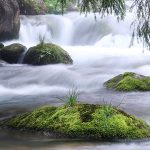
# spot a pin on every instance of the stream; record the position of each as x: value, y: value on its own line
x: 100, y: 50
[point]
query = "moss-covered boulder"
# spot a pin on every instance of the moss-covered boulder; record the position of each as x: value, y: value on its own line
x: 129, y: 81
x: 12, y: 53
x: 82, y: 121
x: 47, y: 53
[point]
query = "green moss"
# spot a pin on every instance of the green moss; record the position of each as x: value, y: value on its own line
x: 46, y: 53
x: 129, y: 82
x: 83, y: 120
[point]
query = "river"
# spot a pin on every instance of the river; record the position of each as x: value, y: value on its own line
x: 100, y: 50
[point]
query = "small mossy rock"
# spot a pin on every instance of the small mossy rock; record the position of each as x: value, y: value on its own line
x: 47, y: 53
x: 102, y: 122
x: 129, y: 81
x: 1, y: 45
x: 12, y: 53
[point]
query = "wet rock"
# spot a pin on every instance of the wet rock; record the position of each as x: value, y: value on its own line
x: 129, y: 81
x: 12, y: 53
x: 44, y: 54
x: 9, y: 19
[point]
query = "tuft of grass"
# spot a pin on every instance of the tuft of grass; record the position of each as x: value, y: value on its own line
x: 41, y: 40
x: 72, y: 98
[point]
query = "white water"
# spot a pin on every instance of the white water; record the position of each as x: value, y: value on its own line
x: 100, y: 50
x: 75, y: 29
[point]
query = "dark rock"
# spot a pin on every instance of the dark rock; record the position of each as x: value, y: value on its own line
x: 12, y: 53
x: 44, y: 54
x: 9, y: 19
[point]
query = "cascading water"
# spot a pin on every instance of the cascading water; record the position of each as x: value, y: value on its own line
x: 100, y: 50
x: 75, y: 29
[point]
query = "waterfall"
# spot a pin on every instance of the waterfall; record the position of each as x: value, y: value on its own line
x: 74, y: 29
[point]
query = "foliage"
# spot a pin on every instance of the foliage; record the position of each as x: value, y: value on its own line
x: 72, y: 98
x: 129, y: 82
x: 142, y: 22
x: 83, y: 121
x: 56, y: 6
x: 37, y: 6
x: 102, y: 6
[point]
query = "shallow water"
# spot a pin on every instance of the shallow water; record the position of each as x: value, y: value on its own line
x: 25, y: 141
x: 23, y: 88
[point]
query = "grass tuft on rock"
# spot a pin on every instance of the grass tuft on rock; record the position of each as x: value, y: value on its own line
x: 83, y: 121
x: 129, y: 81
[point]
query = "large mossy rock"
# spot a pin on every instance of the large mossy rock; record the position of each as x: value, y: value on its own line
x: 44, y: 54
x: 32, y: 7
x: 9, y: 19
x: 129, y: 81
x: 12, y: 53
x: 82, y: 121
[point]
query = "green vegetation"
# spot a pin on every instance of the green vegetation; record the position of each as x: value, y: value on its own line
x: 83, y: 121
x: 31, y: 7
x: 45, y: 6
x: 129, y: 82
x: 56, y: 6
x: 142, y: 21
x: 72, y: 98
x: 46, y: 53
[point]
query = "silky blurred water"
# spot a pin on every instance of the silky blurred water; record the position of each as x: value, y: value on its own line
x: 100, y: 50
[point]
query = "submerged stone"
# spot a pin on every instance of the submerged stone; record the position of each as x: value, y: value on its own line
x: 46, y: 53
x: 129, y: 81
x: 102, y: 122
